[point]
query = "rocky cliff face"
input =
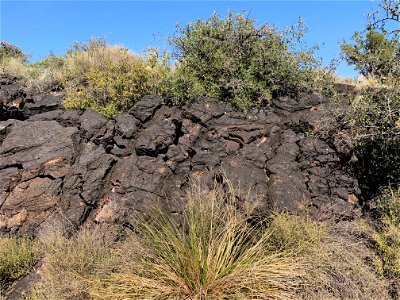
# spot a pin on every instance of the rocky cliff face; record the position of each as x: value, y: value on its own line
x: 70, y: 167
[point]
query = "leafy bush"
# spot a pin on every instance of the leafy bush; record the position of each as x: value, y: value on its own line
x: 108, y: 79
x: 17, y: 257
x: 14, y: 61
x: 234, y: 60
x: 38, y: 76
x: 8, y: 50
x: 374, y: 54
x: 228, y: 58
x: 374, y: 124
x: 373, y: 117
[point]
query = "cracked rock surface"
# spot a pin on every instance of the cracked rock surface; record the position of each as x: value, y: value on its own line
x: 71, y: 167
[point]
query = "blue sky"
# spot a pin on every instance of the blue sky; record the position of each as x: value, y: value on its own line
x: 39, y: 27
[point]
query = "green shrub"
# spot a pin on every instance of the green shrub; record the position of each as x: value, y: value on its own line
x: 13, y: 61
x: 228, y: 58
x: 373, y: 123
x: 234, y: 60
x: 8, y: 50
x: 373, y: 116
x: 17, y: 258
x: 108, y: 79
x: 374, y: 54
x: 38, y: 76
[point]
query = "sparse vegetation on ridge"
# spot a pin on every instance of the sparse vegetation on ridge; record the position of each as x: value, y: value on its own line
x: 229, y: 58
x: 104, y: 78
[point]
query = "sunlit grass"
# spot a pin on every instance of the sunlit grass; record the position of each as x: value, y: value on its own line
x: 17, y: 258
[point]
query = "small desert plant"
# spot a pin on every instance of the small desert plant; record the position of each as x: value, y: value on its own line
x: 105, y: 78
x: 68, y: 262
x: 297, y: 233
x: 38, y: 76
x: 388, y: 238
x: 17, y: 258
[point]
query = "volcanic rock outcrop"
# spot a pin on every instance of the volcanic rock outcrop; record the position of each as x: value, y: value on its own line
x: 68, y: 167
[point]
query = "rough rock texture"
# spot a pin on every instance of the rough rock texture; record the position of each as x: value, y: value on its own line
x: 66, y: 168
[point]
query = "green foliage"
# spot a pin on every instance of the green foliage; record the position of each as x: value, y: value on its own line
x: 229, y: 58
x: 373, y: 122
x: 386, y: 17
x: 38, y: 76
x: 50, y: 62
x: 373, y: 117
x: 8, y: 50
x: 14, y: 61
x: 234, y: 60
x: 108, y: 79
x: 376, y: 51
x: 17, y: 257
x: 374, y: 54
x: 375, y: 113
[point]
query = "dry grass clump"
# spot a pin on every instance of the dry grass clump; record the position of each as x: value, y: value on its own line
x: 215, y: 250
x: 388, y: 237
x: 68, y: 262
x: 337, y: 264
x: 388, y: 242
x: 17, y: 258
x: 215, y: 254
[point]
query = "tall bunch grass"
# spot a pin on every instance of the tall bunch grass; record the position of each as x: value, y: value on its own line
x: 213, y: 253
